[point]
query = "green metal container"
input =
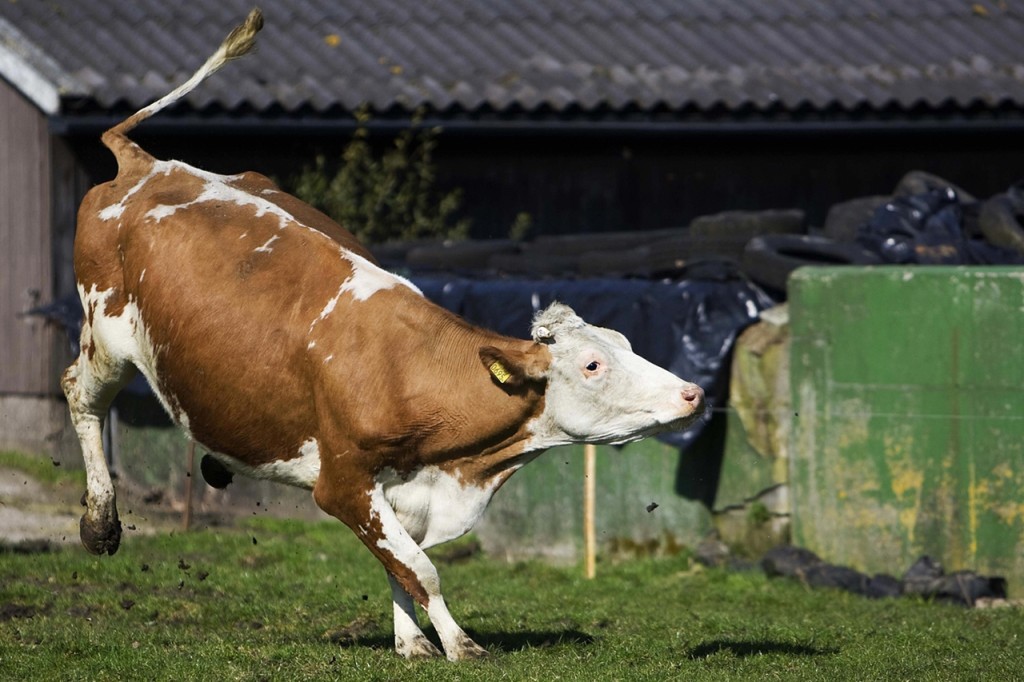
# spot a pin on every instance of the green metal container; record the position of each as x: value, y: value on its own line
x: 539, y: 511
x: 908, y: 417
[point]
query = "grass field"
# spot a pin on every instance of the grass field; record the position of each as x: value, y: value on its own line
x: 286, y: 600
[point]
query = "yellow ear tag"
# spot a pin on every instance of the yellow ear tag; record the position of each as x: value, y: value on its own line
x: 499, y: 372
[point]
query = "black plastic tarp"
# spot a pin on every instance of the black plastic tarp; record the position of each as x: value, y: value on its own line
x: 935, y: 227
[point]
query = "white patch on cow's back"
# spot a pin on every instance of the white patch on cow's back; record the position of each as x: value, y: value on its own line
x: 327, y: 310
x: 206, y: 176
x: 266, y: 248
x: 301, y: 471
x: 116, y: 210
x: 162, y: 211
x: 367, y: 279
x: 220, y: 188
x: 112, y: 211
x: 435, y: 506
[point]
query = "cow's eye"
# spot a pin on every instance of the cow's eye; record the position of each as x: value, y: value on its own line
x: 592, y: 367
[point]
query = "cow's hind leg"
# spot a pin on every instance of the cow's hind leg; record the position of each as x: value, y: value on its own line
x: 90, y: 384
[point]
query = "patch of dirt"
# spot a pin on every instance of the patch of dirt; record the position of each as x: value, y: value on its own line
x: 31, y: 512
x: 40, y: 517
x: 355, y: 631
x: 36, y: 516
x: 12, y: 610
x: 30, y: 546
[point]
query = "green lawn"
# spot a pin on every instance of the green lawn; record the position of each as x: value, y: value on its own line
x: 285, y: 600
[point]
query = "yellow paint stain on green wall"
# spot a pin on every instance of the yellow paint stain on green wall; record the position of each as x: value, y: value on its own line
x: 1009, y: 512
x: 974, y: 490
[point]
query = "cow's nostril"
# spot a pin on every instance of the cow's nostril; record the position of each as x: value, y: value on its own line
x: 691, y: 395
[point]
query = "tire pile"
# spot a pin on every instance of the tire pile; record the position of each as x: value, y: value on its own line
x: 926, y: 578
x: 926, y: 220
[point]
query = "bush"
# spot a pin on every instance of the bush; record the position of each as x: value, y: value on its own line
x: 388, y: 197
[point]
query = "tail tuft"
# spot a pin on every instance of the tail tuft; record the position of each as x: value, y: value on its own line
x: 241, y: 40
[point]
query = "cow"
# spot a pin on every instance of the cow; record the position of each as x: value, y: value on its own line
x: 274, y: 340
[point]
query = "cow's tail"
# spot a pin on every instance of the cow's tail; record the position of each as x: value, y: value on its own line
x: 238, y: 43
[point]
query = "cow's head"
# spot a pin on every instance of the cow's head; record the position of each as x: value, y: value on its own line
x: 597, y: 390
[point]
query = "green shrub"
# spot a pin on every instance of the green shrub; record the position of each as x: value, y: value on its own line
x: 386, y: 197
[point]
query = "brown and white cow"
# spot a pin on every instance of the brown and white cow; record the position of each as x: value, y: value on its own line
x: 274, y: 340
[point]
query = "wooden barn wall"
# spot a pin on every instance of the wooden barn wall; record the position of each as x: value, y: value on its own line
x: 25, y: 247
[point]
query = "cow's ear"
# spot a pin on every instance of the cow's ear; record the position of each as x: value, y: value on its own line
x: 515, y: 367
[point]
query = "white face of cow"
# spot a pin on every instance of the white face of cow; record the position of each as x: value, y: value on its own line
x: 600, y: 391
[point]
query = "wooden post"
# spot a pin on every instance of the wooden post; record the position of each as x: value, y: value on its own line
x: 189, y: 465
x: 589, y: 493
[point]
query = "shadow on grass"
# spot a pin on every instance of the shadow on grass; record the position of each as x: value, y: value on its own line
x: 369, y: 635
x: 501, y: 641
x: 743, y: 649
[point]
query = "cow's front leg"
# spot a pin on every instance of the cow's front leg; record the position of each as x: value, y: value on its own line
x: 410, y: 641
x: 373, y: 520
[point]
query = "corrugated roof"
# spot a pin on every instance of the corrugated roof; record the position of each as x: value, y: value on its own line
x: 466, y: 56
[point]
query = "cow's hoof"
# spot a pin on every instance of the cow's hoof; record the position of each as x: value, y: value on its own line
x: 417, y: 648
x: 102, y: 536
x: 468, y: 650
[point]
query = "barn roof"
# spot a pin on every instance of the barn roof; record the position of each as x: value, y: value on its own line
x: 525, y: 58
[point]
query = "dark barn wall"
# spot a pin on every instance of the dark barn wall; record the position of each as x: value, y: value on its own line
x: 70, y: 181
x: 589, y: 182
